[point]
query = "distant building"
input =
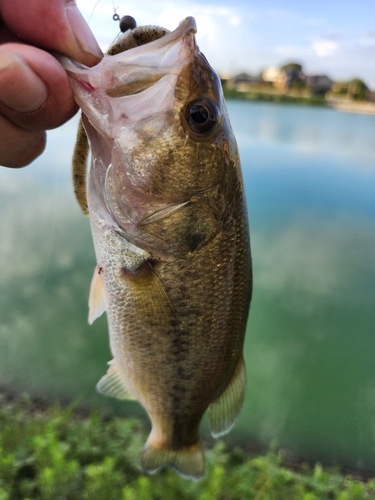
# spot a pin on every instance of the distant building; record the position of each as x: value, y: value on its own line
x: 284, y: 78
x: 244, y: 82
x: 276, y: 76
x: 319, y: 84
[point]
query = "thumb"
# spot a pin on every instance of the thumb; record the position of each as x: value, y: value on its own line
x: 55, y: 25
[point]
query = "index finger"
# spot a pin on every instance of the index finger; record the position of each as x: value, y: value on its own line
x: 55, y: 25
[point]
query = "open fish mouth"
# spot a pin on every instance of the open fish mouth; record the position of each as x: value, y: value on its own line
x: 160, y: 56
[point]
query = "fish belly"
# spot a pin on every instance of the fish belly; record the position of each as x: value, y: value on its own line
x: 176, y: 333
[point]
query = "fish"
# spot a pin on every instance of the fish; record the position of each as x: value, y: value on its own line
x: 166, y: 202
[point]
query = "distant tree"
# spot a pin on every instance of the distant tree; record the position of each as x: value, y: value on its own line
x: 340, y: 88
x: 292, y: 67
x: 294, y: 76
x: 243, y: 75
x: 357, y: 89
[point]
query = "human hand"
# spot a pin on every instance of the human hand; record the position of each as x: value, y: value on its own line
x: 35, y: 94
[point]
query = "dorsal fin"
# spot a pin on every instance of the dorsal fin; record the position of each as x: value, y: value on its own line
x: 79, y: 166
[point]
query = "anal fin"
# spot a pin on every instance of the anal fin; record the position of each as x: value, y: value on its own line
x: 97, y: 299
x: 224, y: 410
x: 112, y: 384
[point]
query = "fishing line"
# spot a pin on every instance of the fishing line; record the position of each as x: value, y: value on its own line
x: 113, y: 41
x: 93, y: 10
x: 115, y: 16
x: 125, y: 22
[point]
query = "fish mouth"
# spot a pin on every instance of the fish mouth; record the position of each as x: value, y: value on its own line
x: 148, y: 62
x: 134, y: 70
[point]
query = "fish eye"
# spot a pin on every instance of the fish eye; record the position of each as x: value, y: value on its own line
x: 201, y: 115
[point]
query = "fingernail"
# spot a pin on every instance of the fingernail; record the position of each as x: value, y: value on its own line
x: 20, y: 88
x: 81, y: 31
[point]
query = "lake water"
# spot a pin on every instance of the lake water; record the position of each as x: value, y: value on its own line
x: 310, y: 347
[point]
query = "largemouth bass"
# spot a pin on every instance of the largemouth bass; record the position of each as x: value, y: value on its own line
x: 166, y: 203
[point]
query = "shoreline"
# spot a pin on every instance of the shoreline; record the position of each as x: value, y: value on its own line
x: 343, y: 105
x: 364, y: 107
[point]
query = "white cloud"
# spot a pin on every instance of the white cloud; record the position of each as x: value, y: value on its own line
x: 172, y: 16
x: 211, y: 20
x: 325, y: 47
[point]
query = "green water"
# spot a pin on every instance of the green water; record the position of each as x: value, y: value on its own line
x: 310, y: 348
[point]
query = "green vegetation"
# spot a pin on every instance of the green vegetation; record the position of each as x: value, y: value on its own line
x: 355, y: 90
x: 231, y: 93
x: 292, y: 66
x: 52, y: 453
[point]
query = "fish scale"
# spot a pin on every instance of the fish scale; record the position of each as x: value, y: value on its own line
x: 168, y: 215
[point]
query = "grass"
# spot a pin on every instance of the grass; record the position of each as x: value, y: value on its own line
x: 54, y: 453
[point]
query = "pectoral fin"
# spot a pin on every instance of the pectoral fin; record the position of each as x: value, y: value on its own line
x: 112, y: 384
x: 97, y: 299
x: 150, y: 299
x: 223, y: 412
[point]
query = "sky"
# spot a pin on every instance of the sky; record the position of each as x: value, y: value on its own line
x: 331, y: 37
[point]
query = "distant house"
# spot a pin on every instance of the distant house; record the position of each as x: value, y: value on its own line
x: 276, y: 76
x: 319, y: 84
x: 244, y: 82
x: 294, y: 77
x: 284, y: 78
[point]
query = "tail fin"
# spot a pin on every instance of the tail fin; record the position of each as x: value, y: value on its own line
x: 188, y: 461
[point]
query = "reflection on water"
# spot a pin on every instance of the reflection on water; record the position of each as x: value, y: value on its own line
x: 310, y: 178
x: 310, y: 343
x: 316, y: 129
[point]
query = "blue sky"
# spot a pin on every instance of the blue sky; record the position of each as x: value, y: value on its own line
x: 330, y: 37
